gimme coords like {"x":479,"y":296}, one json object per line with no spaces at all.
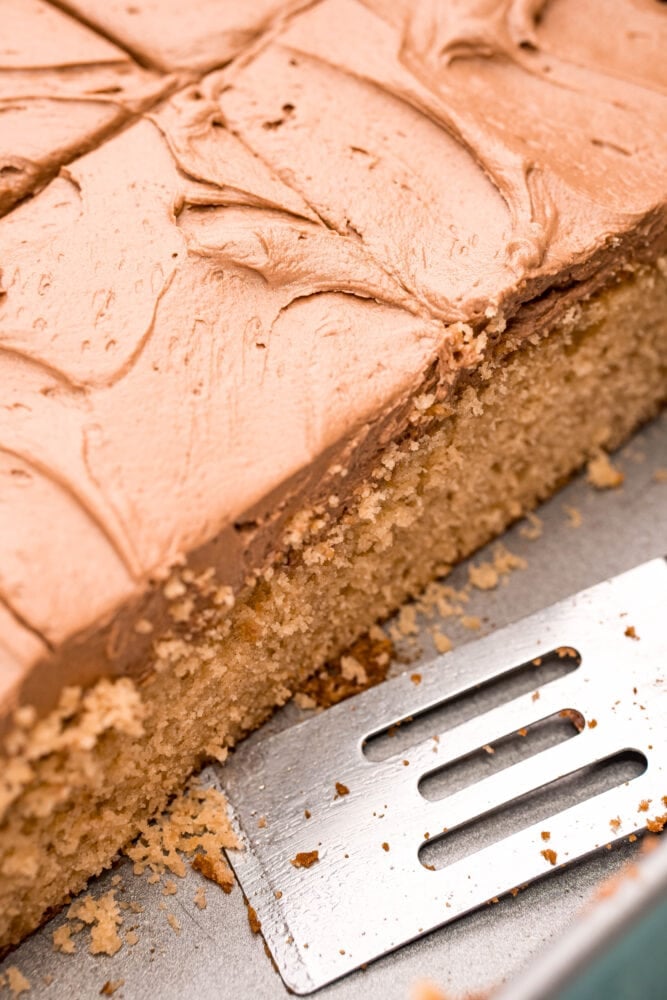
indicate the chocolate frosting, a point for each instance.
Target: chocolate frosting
{"x":62,"y":89}
{"x":224,"y":311}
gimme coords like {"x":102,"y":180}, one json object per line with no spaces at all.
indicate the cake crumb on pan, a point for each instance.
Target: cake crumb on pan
{"x":602,"y":473}
{"x":16,"y":981}
{"x":111,"y":986}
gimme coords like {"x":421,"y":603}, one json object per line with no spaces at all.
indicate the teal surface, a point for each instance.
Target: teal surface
{"x":634,"y":968}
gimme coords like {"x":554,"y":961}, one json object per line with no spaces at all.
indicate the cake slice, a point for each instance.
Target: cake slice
{"x":280,"y":352}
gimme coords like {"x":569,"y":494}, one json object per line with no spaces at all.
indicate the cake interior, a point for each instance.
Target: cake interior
{"x":77,"y":785}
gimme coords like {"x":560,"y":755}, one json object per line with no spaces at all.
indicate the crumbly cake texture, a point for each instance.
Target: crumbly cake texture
{"x":285,"y":348}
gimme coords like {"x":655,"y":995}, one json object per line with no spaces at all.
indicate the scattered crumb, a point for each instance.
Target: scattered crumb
{"x":545,"y":835}
{"x":657,"y":824}
{"x":337,"y":681}
{"x":16,"y":981}
{"x":643,"y":805}
{"x":307,"y":813}
{"x":472,"y":622}
{"x":104,"y":917}
{"x":602,"y":474}
{"x":632,"y":838}
{"x":522,"y":732}
{"x":173,"y":922}
{"x":535,"y":696}
{"x":111,"y":986}
{"x":574,"y":517}
{"x":305,"y":859}
{"x":62,"y":940}
{"x":195,"y":819}
{"x":216,"y":870}
{"x":533,"y":529}
{"x":341,"y":789}
{"x":615,"y":824}
{"x":549,"y":856}
{"x":488,"y":748}
{"x":442,"y":642}
{"x":505,"y":562}
{"x":131,"y":938}
{"x":253,"y":919}
{"x":385,"y":846}
{"x":484,"y":576}
{"x":660,"y":476}
{"x":200,"y":898}
{"x":416,"y":678}
{"x":261,"y":823}
{"x":169,"y":888}
{"x":592,"y":723}
{"x":631,"y":633}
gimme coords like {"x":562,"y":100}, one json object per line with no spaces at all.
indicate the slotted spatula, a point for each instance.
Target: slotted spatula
{"x":376,"y":821}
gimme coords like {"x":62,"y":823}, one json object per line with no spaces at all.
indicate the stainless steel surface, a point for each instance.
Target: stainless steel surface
{"x":369,"y":837}
{"x":593,"y":931}
{"x":216,"y":957}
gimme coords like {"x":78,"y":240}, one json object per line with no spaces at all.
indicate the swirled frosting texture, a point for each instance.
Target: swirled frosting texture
{"x":63,"y":88}
{"x":204,"y":318}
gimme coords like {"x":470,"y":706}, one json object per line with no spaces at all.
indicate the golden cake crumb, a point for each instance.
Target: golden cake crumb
{"x":631,"y":633}
{"x":104,"y":917}
{"x":484,"y":576}
{"x":200,"y":898}
{"x":169,"y":888}
{"x":471,"y":622}
{"x":602,"y":474}
{"x":131,"y":938}
{"x":215,"y":869}
{"x":657,"y":824}
{"x":111,"y":986}
{"x":660,"y":476}
{"x":442,"y":642}
{"x":62,"y":940}
{"x":533,"y":529}
{"x":305,"y":859}
{"x":16,"y":981}
{"x":253,"y":919}
{"x":341,"y":789}
{"x":574,"y":516}
{"x":174,"y":923}
{"x":196,"y":819}
{"x":550,"y":856}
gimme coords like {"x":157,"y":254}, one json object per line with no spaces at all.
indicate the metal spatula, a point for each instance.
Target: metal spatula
{"x":420,"y":800}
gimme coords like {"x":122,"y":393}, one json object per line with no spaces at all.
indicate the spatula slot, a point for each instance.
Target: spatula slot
{"x":517,"y":814}
{"x":411,"y":729}
{"x":502,"y":754}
